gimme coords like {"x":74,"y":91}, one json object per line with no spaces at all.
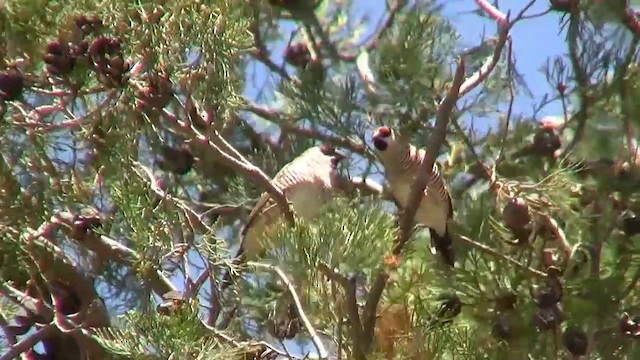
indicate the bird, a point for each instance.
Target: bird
{"x":309,"y":181}
{"x":401,"y":161}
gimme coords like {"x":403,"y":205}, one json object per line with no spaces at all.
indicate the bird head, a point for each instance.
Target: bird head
{"x":330,"y":151}
{"x":383,"y":138}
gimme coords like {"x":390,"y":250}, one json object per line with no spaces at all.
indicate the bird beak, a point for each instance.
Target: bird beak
{"x":378,"y":142}
{"x":339,"y":155}
{"x":376,"y":134}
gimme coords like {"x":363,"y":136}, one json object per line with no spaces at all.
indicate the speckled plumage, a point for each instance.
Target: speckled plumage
{"x":401,"y":161}
{"x":308,"y":182}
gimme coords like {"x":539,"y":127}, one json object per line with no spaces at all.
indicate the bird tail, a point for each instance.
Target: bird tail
{"x":443,"y":245}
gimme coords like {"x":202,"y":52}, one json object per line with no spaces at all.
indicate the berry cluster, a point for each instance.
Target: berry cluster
{"x":549,"y":313}
{"x":297,"y":55}
{"x":157,"y":92}
{"x":107,"y":61}
{"x":178,"y":161}
{"x":630,"y":327}
{"x":11,"y":84}
{"x":546,"y":141}
{"x":576,"y":341}
{"x":103,"y":54}
{"x":517,"y":218}
{"x":89,"y":24}
{"x":62,"y":56}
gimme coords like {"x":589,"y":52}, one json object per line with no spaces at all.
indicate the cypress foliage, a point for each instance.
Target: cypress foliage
{"x":137,"y":137}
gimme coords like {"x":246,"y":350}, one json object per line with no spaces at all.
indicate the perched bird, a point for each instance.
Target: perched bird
{"x":308,"y":182}
{"x":401,"y":161}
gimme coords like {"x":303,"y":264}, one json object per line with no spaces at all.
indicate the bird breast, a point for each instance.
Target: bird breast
{"x":307,"y":200}
{"x":432,"y":212}
{"x":401,"y":190}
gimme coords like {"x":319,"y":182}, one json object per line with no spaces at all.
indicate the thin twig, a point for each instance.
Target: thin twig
{"x":503,"y":141}
{"x":322,"y":352}
{"x":351,"y":307}
{"x":113,"y":250}
{"x":504,"y":25}
{"x":366,"y":75}
{"x":286,"y":123}
{"x":261,"y":53}
{"x":497,"y":254}
{"x":372,"y":42}
{"x":244,"y":345}
{"x":486,"y":69}
{"x":232,"y":158}
{"x":493,"y":12}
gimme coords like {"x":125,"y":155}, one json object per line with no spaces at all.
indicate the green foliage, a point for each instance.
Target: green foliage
{"x":138,"y":336}
{"x":76,"y":146}
{"x":337,"y":238}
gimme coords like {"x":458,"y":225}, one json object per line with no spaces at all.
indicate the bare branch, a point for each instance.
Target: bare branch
{"x":493,"y":12}
{"x":368,"y":186}
{"x":484,"y":71}
{"x":366,"y":75}
{"x":351,"y":306}
{"x":504,"y":25}
{"x":28,"y":342}
{"x":322,"y":352}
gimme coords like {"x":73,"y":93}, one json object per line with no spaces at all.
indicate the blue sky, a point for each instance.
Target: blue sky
{"x":534,"y":40}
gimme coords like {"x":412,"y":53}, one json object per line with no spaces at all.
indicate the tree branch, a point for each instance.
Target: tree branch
{"x":115,"y":251}
{"x":581,"y":78}
{"x":322,"y":352}
{"x":285,"y":123}
{"x":232,"y":158}
{"x":28,"y":342}
{"x":351,"y":305}
{"x":486,"y":249}
{"x":372,"y":42}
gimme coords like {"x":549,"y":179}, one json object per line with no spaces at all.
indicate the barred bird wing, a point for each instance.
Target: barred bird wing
{"x":307,"y":181}
{"x":437,"y":192}
{"x":401,"y":161}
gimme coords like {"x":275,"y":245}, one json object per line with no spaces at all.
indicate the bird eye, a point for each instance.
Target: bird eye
{"x":384,"y":131}
{"x":327,"y":149}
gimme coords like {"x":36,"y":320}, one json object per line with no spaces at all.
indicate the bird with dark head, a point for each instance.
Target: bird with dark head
{"x":401,"y":162}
